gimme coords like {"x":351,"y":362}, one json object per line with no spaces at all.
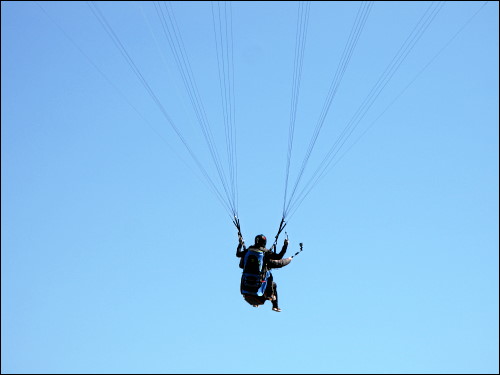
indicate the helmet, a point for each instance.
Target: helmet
{"x":261,"y":240}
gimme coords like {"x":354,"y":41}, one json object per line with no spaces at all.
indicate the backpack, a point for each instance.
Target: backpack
{"x":255,"y":275}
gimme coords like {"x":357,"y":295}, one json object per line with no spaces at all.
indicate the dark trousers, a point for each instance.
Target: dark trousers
{"x":272,"y":291}
{"x":275,"y":292}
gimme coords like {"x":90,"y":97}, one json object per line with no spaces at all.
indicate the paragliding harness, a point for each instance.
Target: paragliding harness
{"x":255,"y":277}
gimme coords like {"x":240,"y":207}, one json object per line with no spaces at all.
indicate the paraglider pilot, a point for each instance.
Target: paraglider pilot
{"x":270,"y":260}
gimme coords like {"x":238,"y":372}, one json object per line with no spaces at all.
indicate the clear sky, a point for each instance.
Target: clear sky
{"x":117,"y":257}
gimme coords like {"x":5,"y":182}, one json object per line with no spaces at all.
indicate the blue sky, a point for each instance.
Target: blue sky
{"x":118,"y":258}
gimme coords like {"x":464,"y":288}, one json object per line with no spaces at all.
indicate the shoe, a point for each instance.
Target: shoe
{"x":255,"y":305}
{"x":277,"y":309}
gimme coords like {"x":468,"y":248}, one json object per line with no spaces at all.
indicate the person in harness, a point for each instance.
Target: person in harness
{"x":257,"y":284}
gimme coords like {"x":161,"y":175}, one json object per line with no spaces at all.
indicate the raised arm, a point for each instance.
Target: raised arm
{"x":241,"y":244}
{"x":279,"y":255}
{"x":283,"y":249}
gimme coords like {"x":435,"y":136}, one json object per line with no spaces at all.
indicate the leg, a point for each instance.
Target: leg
{"x":275,"y":299}
{"x":269,"y":292}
